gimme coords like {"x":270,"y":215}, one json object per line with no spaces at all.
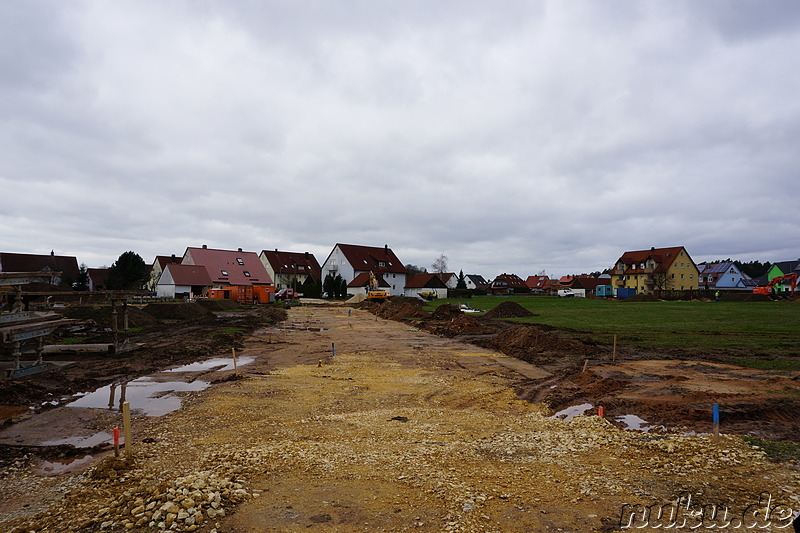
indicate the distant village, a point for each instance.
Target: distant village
{"x":352,"y":270}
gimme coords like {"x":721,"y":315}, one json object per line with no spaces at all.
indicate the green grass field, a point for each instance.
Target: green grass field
{"x":735,"y":330}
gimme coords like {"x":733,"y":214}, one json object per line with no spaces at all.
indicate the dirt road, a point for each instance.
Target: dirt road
{"x":399,"y":430}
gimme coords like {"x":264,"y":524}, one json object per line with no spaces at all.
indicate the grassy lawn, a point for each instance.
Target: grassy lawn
{"x":738,"y":329}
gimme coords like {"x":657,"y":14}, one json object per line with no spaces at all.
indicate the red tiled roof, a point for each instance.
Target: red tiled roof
{"x":362,"y":280}
{"x":538,"y":282}
{"x":293,"y":263}
{"x":189,"y":275}
{"x":369,"y":258}
{"x":68,"y":266}
{"x":590,"y":283}
{"x":511,"y":281}
{"x":97,"y":275}
{"x":164,"y":260}
{"x":663,"y":257}
{"x":425,"y":281}
{"x":229,"y":267}
{"x":444,"y":276}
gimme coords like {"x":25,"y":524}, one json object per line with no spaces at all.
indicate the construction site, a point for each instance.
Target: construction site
{"x":378,"y":417}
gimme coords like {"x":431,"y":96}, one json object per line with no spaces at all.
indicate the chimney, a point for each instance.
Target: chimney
{"x":205,"y":247}
{"x":386,"y":249}
{"x":306,"y":256}
{"x":240,"y":249}
{"x":52,"y":253}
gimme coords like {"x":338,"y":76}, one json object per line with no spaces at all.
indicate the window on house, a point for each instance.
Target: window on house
{"x":246,"y":273}
{"x":240,"y":260}
{"x":224,"y":272}
{"x":691,"y":276}
{"x":681,"y":276}
{"x":381,"y":264}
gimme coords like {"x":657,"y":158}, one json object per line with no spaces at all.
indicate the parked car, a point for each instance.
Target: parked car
{"x":286,"y":294}
{"x":566,"y":293}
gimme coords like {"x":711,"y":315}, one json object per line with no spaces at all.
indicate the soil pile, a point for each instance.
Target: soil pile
{"x":534,"y":345}
{"x":177,"y":311}
{"x":401,"y":309}
{"x":101,"y":315}
{"x":508,"y":310}
{"x":446,"y":312}
{"x":460,"y":325}
{"x":218,"y":305}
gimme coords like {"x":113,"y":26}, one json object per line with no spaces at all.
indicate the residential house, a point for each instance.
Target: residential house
{"x":157,"y":268}
{"x":655,"y":269}
{"x":450,"y":279}
{"x":475,"y":281}
{"x":228,"y":267}
{"x":183,"y":281}
{"x":289,"y":269}
{"x":589,"y":284}
{"x":782,"y":268}
{"x":426,"y":284}
{"x":361,"y":284}
{"x":66,"y":265}
{"x":350,"y":260}
{"x":96,"y":278}
{"x":725,"y":275}
{"x":508,"y":284}
{"x":540,"y":283}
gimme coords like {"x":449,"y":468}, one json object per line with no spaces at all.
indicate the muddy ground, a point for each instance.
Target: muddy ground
{"x":399,"y":430}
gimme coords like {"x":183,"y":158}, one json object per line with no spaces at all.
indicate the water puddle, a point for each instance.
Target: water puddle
{"x":635,"y":423}
{"x":83,"y":442}
{"x":148,"y":397}
{"x":224,"y":363}
{"x":571,"y":412}
{"x":55,"y":467}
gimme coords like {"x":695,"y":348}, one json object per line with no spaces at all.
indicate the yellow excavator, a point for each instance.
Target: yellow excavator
{"x":374,"y":292}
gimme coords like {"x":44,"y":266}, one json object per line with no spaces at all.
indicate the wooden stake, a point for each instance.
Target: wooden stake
{"x":614,"y":354}
{"x":116,"y":442}
{"x":126,"y":429}
{"x":585,"y":364}
{"x":235,"y":369}
{"x":715,"y":417}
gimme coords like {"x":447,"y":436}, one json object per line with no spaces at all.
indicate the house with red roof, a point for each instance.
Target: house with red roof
{"x":540,"y":283}
{"x":66,"y":265}
{"x":157,"y":268}
{"x":183,"y":281}
{"x":288,"y":269}
{"x":655,"y":269}
{"x":508,"y":284}
{"x":450,"y":279}
{"x":235,"y":274}
{"x":96,"y":278}
{"x":350,"y":260}
{"x":425,"y":284}
{"x":360,"y":285}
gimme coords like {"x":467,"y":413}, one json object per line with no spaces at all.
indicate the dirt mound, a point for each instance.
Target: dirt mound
{"x":508,"y":310}
{"x":534,"y":345}
{"x":177,"y":311}
{"x":218,"y":305}
{"x":460,"y":325}
{"x":446,"y":312}
{"x":401,"y":309}
{"x":101,"y":315}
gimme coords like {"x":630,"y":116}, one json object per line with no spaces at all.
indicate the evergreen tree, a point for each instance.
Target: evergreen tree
{"x":329,"y":285}
{"x":462,"y":282}
{"x":82,"y":284}
{"x":129,"y":272}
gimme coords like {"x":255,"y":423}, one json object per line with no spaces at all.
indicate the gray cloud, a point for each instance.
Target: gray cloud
{"x":514,"y":138}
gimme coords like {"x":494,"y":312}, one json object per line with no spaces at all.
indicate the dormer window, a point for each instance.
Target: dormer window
{"x":381,"y":264}
{"x":240,"y":260}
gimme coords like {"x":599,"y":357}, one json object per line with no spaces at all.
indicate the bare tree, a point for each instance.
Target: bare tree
{"x":439,"y":265}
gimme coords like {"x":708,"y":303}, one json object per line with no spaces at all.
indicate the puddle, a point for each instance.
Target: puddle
{"x":53,"y":468}
{"x":635,"y":423}
{"x":222,"y":362}
{"x":145,"y":396}
{"x":571,"y":412}
{"x":83,"y":442}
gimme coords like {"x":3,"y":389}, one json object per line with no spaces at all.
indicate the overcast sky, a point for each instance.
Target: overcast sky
{"x":510,"y":136}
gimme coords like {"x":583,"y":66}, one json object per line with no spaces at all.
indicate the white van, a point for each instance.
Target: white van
{"x":565,"y":293}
